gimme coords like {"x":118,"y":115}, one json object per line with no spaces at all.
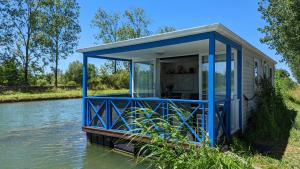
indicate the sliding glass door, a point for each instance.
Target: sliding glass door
{"x":143,"y":79}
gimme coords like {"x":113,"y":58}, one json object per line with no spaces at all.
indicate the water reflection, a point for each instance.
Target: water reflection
{"x":47,"y":134}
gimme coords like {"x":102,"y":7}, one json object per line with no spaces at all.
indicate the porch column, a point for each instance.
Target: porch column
{"x":211,"y":89}
{"x":130,"y":78}
{"x":84,"y":89}
{"x":239,"y":86}
{"x":228,"y":91}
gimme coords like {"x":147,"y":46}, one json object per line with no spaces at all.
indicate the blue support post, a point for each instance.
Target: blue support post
{"x":228,"y":90}
{"x":130,"y":79}
{"x":211,"y":89}
{"x":239,"y":85}
{"x":108,"y":115}
{"x":84,"y":90}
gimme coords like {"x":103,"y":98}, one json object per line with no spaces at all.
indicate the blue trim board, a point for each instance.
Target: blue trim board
{"x":211,"y":89}
{"x":148,"y":45}
{"x":104,"y":57}
{"x":227,"y":41}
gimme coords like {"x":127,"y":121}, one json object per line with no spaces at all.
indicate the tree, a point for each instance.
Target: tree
{"x":6,"y":35}
{"x":23,"y":16}
{"x":74,"y":73}
{"x":166,"y":29}
{"x":61,"y":30}
{"x":137,"y":23}
{"x":282,"y":30}
{"x":10,"y":72}
{"x":113,"y":27}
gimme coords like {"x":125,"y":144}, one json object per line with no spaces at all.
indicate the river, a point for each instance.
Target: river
{"x":47,"y":134}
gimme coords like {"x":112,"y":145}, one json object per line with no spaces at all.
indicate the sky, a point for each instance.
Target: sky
{"x":240,"y":16}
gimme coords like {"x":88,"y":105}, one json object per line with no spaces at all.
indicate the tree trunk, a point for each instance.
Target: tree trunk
{"x":115,"y":66}
{"x":26,"y":64}
{"x":56,"y":62}
{"x":26,"y":70}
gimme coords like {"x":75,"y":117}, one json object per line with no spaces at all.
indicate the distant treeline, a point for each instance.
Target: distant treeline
{"x":102,"y":77}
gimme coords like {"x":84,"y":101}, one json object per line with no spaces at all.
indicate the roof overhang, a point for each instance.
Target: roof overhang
{"x":170,"y":39}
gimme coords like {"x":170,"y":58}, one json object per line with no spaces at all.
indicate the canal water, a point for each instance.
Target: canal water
{"x":47,"y":134}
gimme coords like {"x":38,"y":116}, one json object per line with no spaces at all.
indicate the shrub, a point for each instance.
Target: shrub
{"x":283,"y":82}
{"x":271,"y":120}
{"x":71,"y":83}
{"x":41,"y":82}
{"x":170,"y":149}
{"x":118,"y":80}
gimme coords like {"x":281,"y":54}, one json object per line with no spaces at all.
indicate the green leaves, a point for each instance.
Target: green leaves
{"x":113,"y":27}
{"x":171,"y":151}
{"x":282,"y":30}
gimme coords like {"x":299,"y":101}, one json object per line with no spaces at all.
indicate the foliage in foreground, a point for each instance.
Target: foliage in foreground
{"x":169,"y":149}
{"x":266,"y":123}
{"x":281,"y":150}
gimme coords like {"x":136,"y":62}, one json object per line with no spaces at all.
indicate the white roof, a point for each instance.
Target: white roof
{"x":180,"y":33}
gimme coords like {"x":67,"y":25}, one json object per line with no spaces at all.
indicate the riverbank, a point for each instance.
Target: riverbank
{"x":12,"y":96}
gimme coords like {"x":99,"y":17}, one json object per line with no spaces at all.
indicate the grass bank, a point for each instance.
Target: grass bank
{"x":12,"y":96}
{"x":289,"y":150}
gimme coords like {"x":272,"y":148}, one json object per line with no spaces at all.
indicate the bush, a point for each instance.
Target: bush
{"x":118,"y":80}
{"x":170,"y":149}
{"x":41,"y":82}
{"x":283,"y":82}
{"x":71,"y":83}
{"x":271,"y":120}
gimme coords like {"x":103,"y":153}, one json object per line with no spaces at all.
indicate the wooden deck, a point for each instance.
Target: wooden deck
{"x":114,"y":133}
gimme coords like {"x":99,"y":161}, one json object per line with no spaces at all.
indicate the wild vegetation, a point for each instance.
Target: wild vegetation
{"x":56,"y":93}
{"x":272,"y":137}
{"x":270,"y":141}
{"x":168,"y":146}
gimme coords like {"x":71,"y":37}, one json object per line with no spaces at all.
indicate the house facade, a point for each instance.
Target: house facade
{"x":208,"y":71}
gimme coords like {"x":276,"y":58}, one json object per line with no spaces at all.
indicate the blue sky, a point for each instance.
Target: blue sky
{"x":241,"y":17}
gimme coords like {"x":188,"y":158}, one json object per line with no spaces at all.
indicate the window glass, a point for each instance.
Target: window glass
{"x":143,"y":79}
{"x":265,"y":69}
{"x":220,"y":76}
{"x":256,"y":72}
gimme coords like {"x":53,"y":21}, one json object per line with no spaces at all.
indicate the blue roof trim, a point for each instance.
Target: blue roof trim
{"x":148,"y":45}
{"x":227,"y":41}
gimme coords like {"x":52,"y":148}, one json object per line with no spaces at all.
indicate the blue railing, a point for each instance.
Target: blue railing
{"x":118,"y":113}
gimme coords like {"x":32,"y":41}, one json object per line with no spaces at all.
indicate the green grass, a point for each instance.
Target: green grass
{"x":11,"y":96}
{"x":291,"y":154}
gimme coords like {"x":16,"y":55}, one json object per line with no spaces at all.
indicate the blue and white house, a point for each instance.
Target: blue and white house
{"x":208,"y":71}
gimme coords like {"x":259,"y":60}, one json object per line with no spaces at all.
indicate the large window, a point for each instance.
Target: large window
{"x":144,"y":79}
{"x":220,"y":76}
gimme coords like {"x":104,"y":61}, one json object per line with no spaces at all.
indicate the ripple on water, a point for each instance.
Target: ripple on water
{"x":48,"y":135}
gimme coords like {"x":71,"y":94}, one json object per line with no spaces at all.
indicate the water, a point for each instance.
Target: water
{"x":47,"y":134}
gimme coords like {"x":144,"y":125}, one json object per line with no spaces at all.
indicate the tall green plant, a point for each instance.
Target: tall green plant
{"x":169,"y":147}
{"x":271,"y":120}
